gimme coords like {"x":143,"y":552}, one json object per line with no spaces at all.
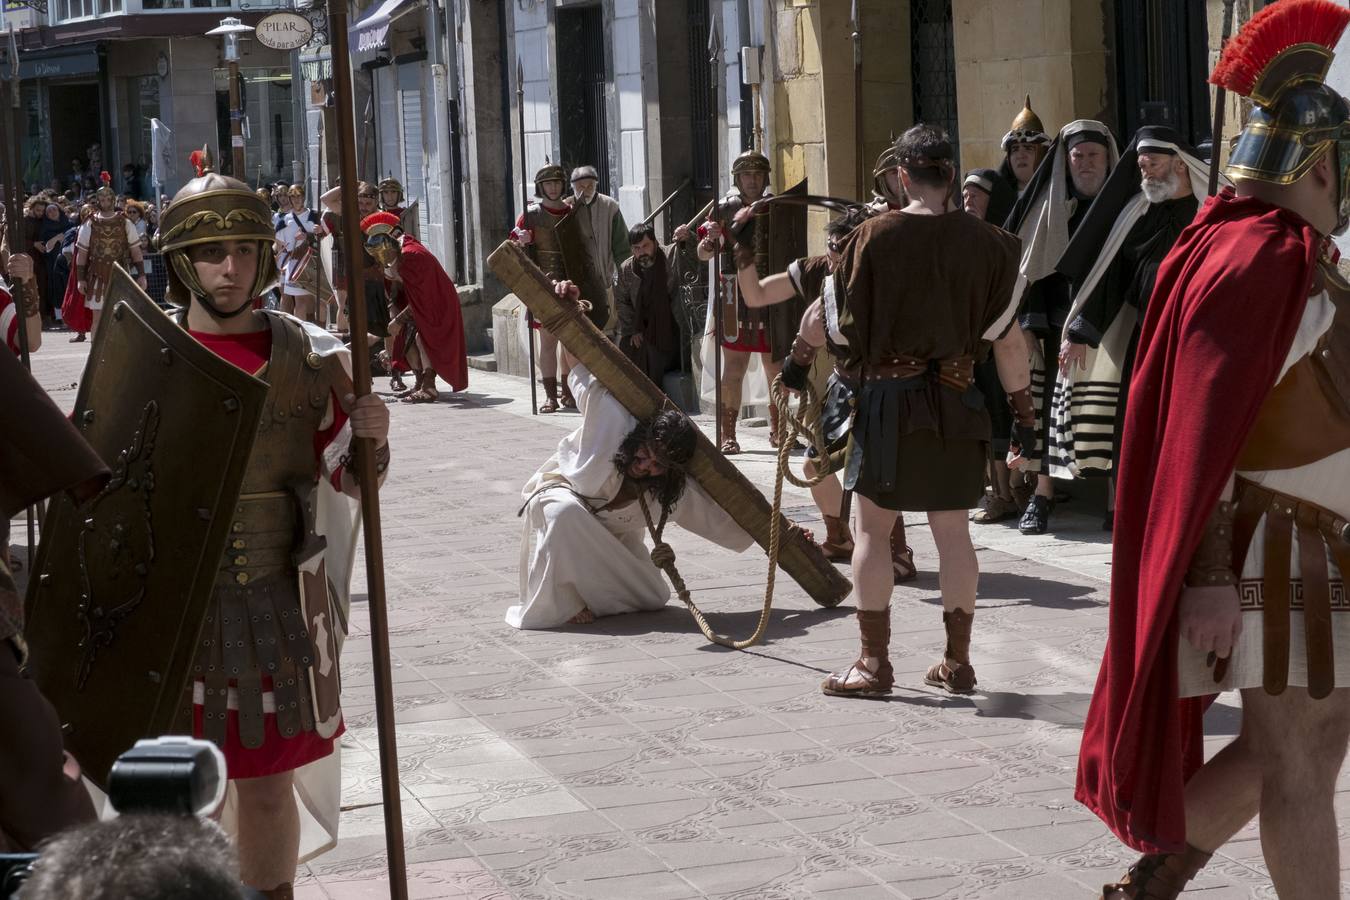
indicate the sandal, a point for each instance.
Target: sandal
{"x":902,"y":564}
{"x":550,"y":404}
{"x":423,"y":395}
{"x":952,"y":676}
{"x":858,"y":681}
{"x":996,"y":509}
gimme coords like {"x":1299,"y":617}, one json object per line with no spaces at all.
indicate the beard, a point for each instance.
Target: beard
{"x":643,"y":263}
{"x":1156,"y":190}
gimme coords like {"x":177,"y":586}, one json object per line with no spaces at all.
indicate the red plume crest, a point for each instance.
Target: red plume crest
{"x":105,"y":179}
{"x":1272,"y":31}
{"x":198,"y":160}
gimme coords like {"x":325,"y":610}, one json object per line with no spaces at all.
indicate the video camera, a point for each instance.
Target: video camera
{"x":172,"y":774}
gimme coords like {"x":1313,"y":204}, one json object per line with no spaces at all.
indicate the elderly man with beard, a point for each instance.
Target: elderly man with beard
{"x":601,"y":222}
{"x":1113,"y":260}
{"x":644,"y":297}
{"x":583,"y":551}
{"x":1045,"y":217}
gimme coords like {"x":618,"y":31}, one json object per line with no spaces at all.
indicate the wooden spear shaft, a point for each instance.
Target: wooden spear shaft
{"x":524,"y":214}
{"x":9,"y":162}
{"x":365,"y":467}
{"x":1220,"y":96}
{"x":715,"y":278}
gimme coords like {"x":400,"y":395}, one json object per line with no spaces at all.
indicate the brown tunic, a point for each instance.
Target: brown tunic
{"x":926,"y":289}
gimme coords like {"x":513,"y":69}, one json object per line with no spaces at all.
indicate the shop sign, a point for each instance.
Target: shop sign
{"x":285,"y":31}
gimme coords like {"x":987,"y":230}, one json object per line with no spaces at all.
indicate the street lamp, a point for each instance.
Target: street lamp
{"x":230,"y":29}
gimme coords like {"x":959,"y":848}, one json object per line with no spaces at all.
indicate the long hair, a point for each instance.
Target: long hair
{"x":673,"y":439}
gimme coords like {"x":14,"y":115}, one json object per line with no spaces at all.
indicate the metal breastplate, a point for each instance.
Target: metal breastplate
{"x":108,"y":239}
{"x":547,"y":248}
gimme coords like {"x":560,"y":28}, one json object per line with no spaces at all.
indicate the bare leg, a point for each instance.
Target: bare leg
{"x":548,"y":354}
{"x":829,"y":494}
{"x":1045,"y":486}
{"x":873,"y":577}
{"x":93,"y":326}
{"x":734,"y":364}
{"x":269,"y":830}
{"x":958,"y":568}
{"x":340,"y":310}
{"x":1002,"y":483}
{"x":1300,"y":744}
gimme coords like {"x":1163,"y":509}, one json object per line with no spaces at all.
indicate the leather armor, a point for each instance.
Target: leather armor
{"x":261,"y":621}
{"x":108,"y":239}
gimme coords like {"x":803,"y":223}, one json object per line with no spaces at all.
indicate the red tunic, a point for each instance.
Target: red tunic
{"x":1225,"y":308}
{"x":750,"y":339}
{"x":78,"y":317}
{"x":251,"y":352}
{"x":435,"y":309}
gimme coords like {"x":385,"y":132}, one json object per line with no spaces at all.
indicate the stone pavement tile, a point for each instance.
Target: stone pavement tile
{"x":560,"y":826}
{"x":450,"y":880}
{"x":737,"y":877}
{"x":605,"y":865}
{"x":657,"y":886}
{"x":654,"y":814}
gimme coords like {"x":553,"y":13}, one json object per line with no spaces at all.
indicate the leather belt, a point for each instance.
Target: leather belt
{"x":1285,"y":516}
{"x":957,"y":373}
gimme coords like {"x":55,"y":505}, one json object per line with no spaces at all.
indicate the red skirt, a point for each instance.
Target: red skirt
{"x":74,"y":313}
{"x":277,"y":753}
{"x":753,"y":340}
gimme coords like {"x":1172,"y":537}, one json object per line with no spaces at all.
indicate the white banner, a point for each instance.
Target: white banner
{"x":161,"y":153}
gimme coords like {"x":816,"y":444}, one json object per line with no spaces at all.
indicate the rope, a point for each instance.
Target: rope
{"x":663,"y":555}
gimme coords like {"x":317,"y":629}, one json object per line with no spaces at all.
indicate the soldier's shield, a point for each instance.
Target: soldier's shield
{"x":122,"y":582}
{"x":583,"y":269}
{"x":409,"y":220}
{"x":780,"y":237}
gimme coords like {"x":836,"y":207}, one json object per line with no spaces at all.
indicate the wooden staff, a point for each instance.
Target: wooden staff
{"x":856,"y":21}
{"x":524,"y":210}
{"x":9,"y":163}
{"x":365,"y":467}
{"x":714,"y":62}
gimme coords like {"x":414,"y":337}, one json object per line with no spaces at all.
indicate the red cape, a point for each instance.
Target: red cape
{"x":435,"y":309}
{"x":76,"y":316}
{"x":1223,"y":314}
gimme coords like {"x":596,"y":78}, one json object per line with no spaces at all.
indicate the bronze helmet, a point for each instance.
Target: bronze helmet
{"x":213,"y":207}
{"x":549,"y":172}
{"x":390,"y":183}
{"x":749,"y":161}
{"x":1026,"y":129}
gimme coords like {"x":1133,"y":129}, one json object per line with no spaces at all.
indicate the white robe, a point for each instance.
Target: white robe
{"x":572,"y":558}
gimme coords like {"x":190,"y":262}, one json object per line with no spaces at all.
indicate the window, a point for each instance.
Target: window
{"x":269,"y":142}
{"x":67,"y":10}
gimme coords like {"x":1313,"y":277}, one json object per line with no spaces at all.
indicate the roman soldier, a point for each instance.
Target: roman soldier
{"x":434,"y":336}
{"x":1112,"y":261}
{"x":106,"y":239}
{"x":537,"y":230}
{"x":393,"y":201}
{"x":1045,"y":216}
{"x":746,"y":332}
{"x":1231,"y":545}
{"x":1024,"y":147}
{"x":266,"y":686}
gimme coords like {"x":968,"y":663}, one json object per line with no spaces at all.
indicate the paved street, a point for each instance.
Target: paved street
{"x":631,"y":759}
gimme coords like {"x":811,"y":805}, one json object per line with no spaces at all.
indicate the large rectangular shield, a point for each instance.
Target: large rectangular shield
{"x":798,"y":556}
{"x":123,"y":581}
{"x":780,"y":237}
{"x":410,"y":219}
{"x":583,"y":269}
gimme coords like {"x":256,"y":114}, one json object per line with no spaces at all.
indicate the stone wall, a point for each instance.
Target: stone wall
{"x":1056,"y":50}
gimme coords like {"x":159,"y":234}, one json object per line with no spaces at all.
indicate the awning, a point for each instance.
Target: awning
{"x":371,"y":31}
{"x":58,"y":62}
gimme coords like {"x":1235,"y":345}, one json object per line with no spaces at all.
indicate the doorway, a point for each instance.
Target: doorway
{"x":583,"y":129}
{"x":1163,"y":63}
{"x":71,"y":105}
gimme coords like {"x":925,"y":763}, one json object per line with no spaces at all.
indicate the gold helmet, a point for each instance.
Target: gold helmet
{"x":105,"y":188}
{"x":1026,"y":129}
{"x":209,"y":208}
{"x":295,"y":190}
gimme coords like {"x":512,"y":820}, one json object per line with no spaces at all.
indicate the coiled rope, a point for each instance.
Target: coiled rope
{"x":663,"y":555}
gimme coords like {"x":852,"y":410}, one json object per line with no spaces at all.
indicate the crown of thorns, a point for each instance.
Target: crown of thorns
{"x":926,"y":162}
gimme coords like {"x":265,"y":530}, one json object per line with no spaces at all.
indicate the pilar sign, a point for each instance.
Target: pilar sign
{"x":285,"y":31}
